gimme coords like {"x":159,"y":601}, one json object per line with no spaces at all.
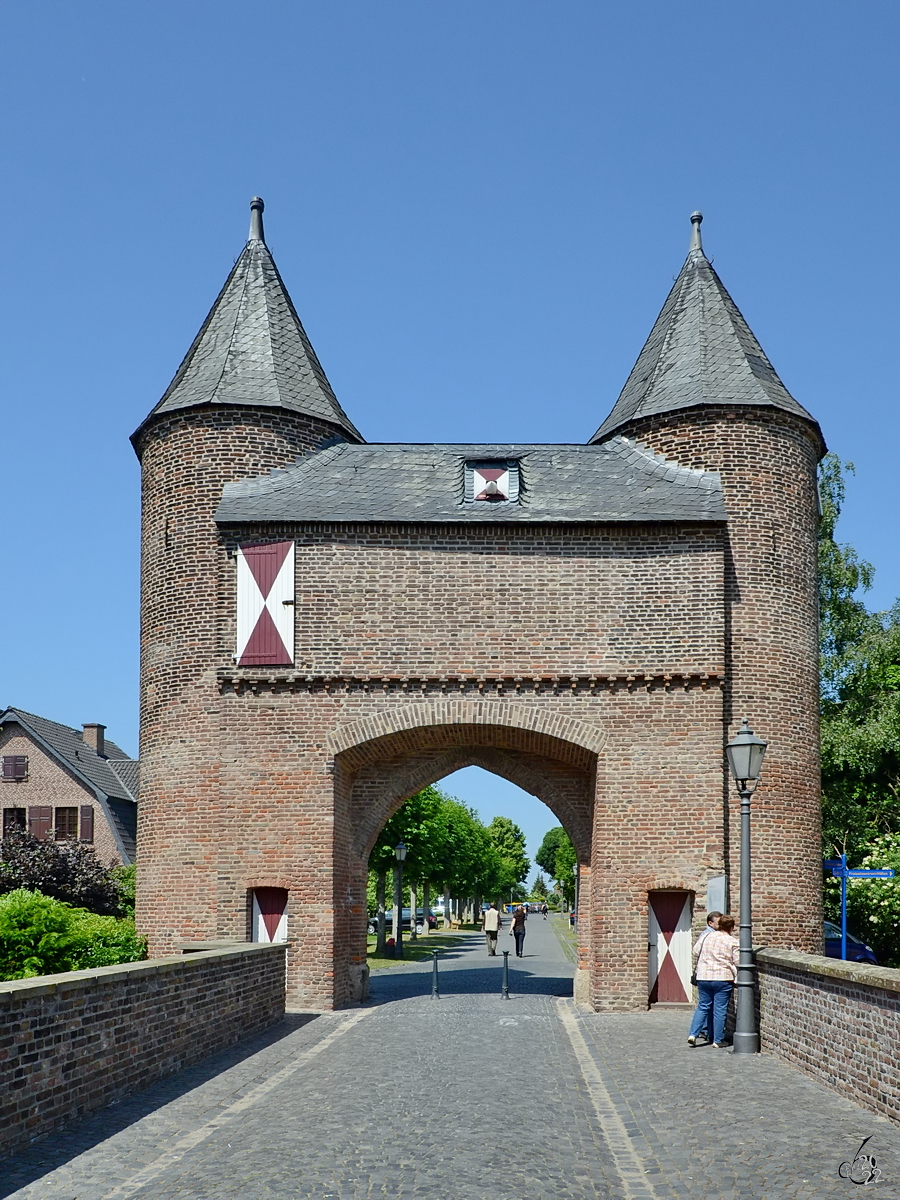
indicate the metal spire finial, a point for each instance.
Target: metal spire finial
{"x":696,"y":239}
{"x":256,"y":221}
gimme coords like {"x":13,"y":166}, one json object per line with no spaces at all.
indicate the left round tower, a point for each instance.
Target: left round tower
{"x":249,"y":397}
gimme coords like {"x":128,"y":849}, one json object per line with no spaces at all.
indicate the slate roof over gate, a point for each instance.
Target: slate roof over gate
{"x":616,"y":481}
{"x":700,"y":351}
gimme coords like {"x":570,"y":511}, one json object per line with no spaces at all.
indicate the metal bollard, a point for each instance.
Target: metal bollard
{"x":435,"y":993}
{"x":505,"y":992}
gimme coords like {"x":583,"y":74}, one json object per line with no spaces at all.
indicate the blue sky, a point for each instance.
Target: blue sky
{"x":478,"y":209}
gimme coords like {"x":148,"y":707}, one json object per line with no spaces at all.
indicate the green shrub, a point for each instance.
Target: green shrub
{"x":125,"y":879}
{"x":104,"y":941}
{"x":873,"y":905}
{"x":35,"y":935}
{"x":43,"y":936}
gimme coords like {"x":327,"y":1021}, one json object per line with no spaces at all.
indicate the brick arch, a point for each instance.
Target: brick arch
{"x":415,"y":716}
{"x":379,"y":789}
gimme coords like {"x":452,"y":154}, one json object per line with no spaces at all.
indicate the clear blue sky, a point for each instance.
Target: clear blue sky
{"x":478,"y":209}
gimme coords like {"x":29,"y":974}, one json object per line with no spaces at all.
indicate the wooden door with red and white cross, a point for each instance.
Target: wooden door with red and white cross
{"x":669,"y":943}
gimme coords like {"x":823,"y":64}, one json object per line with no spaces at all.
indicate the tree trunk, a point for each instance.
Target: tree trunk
{"x":426,"y":905}
{"x":413,"y":897}
{"x":380,"y":887}
{"x":446,"y":908}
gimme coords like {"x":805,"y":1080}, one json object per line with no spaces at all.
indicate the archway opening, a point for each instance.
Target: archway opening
{"x":471,"y":841}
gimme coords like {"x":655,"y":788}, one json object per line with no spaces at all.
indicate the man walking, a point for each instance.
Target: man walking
{"x":492,"y":923}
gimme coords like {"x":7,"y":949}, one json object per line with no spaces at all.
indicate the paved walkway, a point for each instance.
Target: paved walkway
{"x":469,"y":1098}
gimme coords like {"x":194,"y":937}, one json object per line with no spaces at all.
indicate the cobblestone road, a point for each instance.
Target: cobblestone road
{"x":468,"y":1098}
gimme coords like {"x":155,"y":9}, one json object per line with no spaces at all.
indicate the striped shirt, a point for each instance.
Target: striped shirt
{"x":716,"y":955}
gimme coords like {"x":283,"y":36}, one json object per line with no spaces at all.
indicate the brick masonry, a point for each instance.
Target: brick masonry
{"x":422,"y":649}
{"x":71,"y":1044}
{"x":50,"y":783}
{"x":838,"y":1022}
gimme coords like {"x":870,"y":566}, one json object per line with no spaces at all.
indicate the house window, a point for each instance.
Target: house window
{"x":15,"y":766}
{"x":14,"y":818}
{"x":492,"y":482}
{"x":65,"y":824}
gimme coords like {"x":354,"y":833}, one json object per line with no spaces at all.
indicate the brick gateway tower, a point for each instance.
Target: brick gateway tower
{"x":328,"y":625}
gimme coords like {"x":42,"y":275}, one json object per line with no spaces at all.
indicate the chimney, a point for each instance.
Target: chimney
{"x":93,"y":736}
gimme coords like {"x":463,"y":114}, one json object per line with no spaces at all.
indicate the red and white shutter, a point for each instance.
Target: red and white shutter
{"x":270,"y":914}
{"x":265,"y":605}
{"x":670,"y":947}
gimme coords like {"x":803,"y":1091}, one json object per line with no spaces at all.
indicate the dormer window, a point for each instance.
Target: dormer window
{"x":492,"y":482}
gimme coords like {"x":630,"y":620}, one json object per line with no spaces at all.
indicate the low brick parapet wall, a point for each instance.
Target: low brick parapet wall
{"x":838,"y":1022}
{"x":73,"y":1043}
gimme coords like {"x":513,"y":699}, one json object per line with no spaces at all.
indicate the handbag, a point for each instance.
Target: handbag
{"x":694,"y":979}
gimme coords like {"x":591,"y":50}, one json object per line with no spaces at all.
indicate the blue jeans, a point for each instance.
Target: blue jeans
{"x":714,"y":995}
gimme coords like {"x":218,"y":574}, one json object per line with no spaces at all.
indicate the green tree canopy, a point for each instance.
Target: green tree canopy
{"x":508,"y":841}
{"x":556,"y":855}
{"x":546,"y":855}
{"x":860,"y":689}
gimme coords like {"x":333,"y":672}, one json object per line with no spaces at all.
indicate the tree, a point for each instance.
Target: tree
{"x":508,"y":841}
{"x":68,"y":871}
{"x":556,"y":855}
{"x":546,"y":855}
{"x":860,"y":690}
{"x":539,"y":888}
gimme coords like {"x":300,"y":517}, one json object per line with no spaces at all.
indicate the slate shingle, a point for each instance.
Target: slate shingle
{"x":700,"y":351}
{"x":615,"y":481}
{"x":252,"y":349}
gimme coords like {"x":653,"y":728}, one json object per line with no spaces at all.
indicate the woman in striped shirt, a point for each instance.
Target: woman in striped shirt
{"x":716,"y":962}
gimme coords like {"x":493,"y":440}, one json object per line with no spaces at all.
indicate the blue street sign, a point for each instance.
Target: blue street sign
{"x":839,"y":868}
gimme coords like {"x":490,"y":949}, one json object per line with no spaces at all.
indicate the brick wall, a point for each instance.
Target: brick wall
{"x":446,"y":645}
{"x":838,"y":1022}
{"x":73,"y":1043}
{"x":767,"y":460}
{"x":50,"y":783}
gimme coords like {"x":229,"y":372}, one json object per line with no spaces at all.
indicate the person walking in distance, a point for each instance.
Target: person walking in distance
{"x":518,"y":929}
{"x":712,"y":924}
{"x":491,"y":923}
{"x":716,"y":958}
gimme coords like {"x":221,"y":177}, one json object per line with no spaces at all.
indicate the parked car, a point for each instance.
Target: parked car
{"x":857,"y":951}
{"x":405,"y":915}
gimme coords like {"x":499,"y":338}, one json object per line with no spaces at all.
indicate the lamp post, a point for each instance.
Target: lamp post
{"x":400,"y":852}
{"x":745,"y":757}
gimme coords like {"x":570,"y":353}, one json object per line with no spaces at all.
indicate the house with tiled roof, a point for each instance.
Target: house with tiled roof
{"x":64,"y":783}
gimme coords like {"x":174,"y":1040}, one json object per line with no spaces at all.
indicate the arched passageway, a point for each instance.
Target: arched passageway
{"x":373,"y":778}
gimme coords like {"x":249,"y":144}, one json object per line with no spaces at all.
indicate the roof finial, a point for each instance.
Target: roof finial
{"x":256,"y":221}
{"x":696,"y":239}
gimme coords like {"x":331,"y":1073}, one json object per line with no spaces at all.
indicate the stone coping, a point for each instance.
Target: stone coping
{"x":859,"y":974}
{"x":41,"y":985}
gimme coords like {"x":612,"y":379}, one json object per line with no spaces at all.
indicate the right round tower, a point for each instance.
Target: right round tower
{"x":703,"y":394}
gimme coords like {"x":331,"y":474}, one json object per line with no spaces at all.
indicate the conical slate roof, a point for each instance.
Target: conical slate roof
{"x":700,"y":351}
{"x":252,"y":348}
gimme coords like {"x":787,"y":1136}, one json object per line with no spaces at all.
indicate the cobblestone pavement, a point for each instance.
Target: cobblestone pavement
{"x":472,"y":1097}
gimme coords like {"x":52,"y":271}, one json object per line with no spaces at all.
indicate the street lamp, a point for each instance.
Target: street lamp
{"x":400,"y":852}
{"x":745,"y":757}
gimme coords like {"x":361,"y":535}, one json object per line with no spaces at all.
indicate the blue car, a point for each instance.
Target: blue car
{"x":857,"y":951}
